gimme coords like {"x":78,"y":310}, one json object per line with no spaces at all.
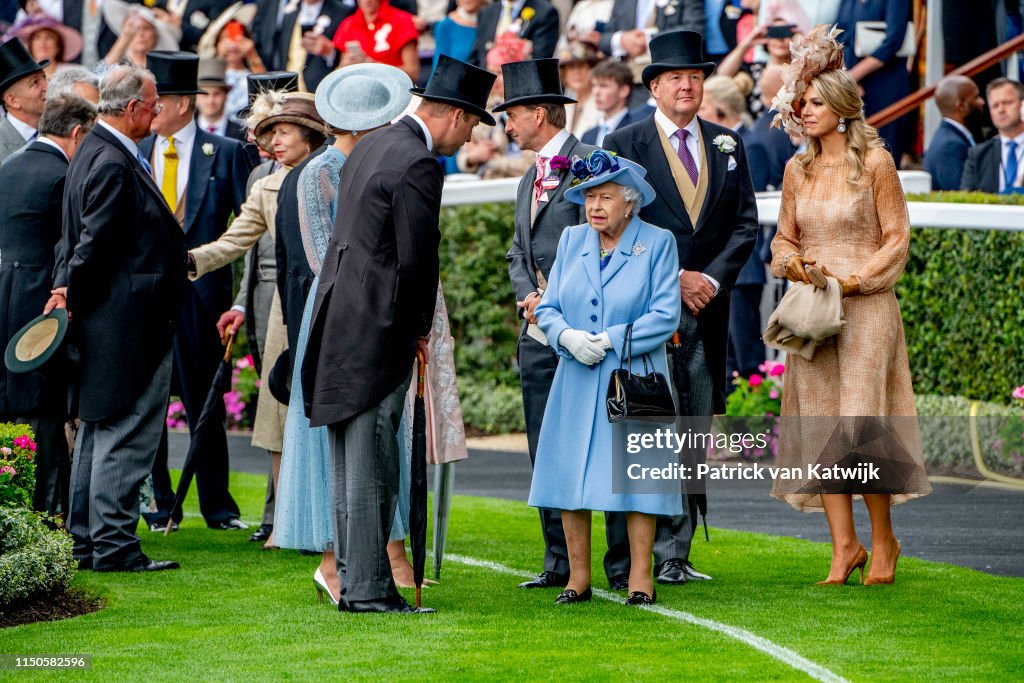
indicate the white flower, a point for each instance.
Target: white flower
{"x":208,"y":149}
{"x":638,"y":249}
{"x":725,"y":144}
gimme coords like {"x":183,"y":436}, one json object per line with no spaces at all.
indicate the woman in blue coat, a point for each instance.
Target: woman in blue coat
{"x":610,"y":272}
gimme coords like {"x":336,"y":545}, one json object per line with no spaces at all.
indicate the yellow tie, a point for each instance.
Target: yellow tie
{"x":169,"y":185}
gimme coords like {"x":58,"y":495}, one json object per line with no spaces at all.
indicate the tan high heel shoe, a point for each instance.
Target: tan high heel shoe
{"x":858,"y":563}
{"x":891,"y":578}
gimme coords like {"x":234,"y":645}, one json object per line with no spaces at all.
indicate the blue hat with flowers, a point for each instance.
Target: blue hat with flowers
{"x":600,"y":167}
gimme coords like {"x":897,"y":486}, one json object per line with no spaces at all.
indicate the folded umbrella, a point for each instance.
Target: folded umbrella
{"x":418,"y":484}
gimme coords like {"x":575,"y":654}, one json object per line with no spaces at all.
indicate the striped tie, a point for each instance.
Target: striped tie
{"x":684,"y":155}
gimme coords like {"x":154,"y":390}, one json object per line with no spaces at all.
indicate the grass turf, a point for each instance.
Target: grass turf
{"x":234,"y":612}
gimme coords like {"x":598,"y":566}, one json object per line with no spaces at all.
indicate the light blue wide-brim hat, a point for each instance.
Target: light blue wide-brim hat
{"x":623,"y":172}
{"x":361,"y":97}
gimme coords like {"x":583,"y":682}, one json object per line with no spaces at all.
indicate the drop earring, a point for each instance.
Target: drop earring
{"x":842,"y":125}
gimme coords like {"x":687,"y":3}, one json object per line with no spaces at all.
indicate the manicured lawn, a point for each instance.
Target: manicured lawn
{"x":234,"y":612}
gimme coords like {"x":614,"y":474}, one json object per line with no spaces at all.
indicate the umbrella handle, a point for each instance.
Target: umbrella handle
{"x":229,"y":342}
{"x":420,"y":373}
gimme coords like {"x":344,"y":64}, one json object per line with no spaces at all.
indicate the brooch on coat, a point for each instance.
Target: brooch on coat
{"x":725,"y":144}
{"x":208,"y":149}
{"x":638,"y":249}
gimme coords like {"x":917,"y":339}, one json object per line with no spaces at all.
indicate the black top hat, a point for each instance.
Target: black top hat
{"x":673,"y":50}
{"x":176,"y":72}
{"x":536,"y":81}
{"x":460,"y":84}
{"x":16,"y":63}
{"x":257,"y":84}
{"x":35,"y":343}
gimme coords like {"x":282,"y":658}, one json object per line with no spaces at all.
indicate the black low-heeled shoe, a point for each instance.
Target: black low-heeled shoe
{"x":569,"y":596}
{"x":641,"y":598}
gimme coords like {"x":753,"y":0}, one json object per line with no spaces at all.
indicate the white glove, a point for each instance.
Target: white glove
{"x":579,"y":345}
{"x":603,"y":341}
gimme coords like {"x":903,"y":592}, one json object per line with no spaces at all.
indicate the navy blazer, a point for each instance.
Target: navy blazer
{"x":982,"y":168}
{"x":216,"y":190}
{"x":768,"y":151}
{"x":946,"y":155}
{"x":590,"y":136}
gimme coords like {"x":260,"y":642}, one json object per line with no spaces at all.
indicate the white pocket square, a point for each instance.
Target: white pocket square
{"x":732,"y":163}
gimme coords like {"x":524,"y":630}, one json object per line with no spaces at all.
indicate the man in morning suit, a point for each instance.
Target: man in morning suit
{"x":632,"y":22}
{"x":535,"y":120}
{"x":22,"y":94}
{"x":957,"y":98}
{"x":296,"y":36}
{"x":31,"y":198}
{"x":202,"y":179}
{"x":123,"y":255}
{"x":373,"y":310}
{"x":611,"y":87}
{"x":533,"y":20}
{"x":705,"y":198}
{"x":997,"y":165}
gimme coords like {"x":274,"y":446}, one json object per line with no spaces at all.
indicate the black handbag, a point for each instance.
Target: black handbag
{"x":634,"y":396}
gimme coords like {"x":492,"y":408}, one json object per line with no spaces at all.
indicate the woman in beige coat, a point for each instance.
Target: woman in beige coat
{"x":288,"y":127}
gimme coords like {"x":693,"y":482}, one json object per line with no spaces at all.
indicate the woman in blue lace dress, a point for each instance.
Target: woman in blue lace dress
{"x":353,"y":101}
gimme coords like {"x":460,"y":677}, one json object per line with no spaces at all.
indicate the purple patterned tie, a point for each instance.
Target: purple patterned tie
{"x":684,"y":155}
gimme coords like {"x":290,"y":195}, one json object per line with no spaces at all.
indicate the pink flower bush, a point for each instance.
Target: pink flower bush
{"x":7,"y":469}
{"x":25,"y":441}
{"x":17,"y":465}
{"x":756,"y":380}
{"x":1018,"y":393}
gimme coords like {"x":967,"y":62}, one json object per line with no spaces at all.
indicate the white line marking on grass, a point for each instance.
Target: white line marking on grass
{"x":783,"y":654}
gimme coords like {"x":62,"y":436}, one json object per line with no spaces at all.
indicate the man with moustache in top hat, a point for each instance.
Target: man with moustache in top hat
{"x":535,"y":114}
{"x":373,"y":310}
{"x":202,"y":179}
{"x":706,"y":198}
{"x":22,"y":94}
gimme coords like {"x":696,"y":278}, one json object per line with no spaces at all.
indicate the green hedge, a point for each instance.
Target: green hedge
{"x":963,"y":307}
{"x":35,"y":560}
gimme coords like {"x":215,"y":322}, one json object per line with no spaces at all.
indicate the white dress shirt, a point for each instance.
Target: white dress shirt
{"x":24,"y":130}
{"x":126,"y":141}
{"x":184,"y":140}
{"x":214,"y":127}
{"x":609,"y":125}
{"x":47,"y":141}
{"x":670,"y":128}
{"x":308,"y":14}
{"x":1004,"y":154}
{"x":426,"y":131}
{"x":960,"y":127}
{"x":551,"y":149}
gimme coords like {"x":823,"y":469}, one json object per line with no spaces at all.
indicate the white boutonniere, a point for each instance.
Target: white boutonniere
{"x":638,"y":249}
{"x":208,"y":149}
{"x":725,"y":144}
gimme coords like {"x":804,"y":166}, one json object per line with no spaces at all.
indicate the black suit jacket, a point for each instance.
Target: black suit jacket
{"x":216,"y":190}
{"x":688,"y":16}
{"x":274,"y":42}
{"x":590,"y":136}
{"x":538,"y":243}
{"x":945,"y":157}
{"x":378,"y":283}
{"x":726,"y":228}
{"x":542,"y":29}
{"x":31,"y":193}
{"x":73,"y":19}
{"x":197,"y":17}
{"x":983,"y":166}
{"x":294,"y":276}
{"x":124,"y":266}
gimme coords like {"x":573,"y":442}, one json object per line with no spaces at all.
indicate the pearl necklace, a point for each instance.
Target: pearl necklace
{"x":607,"y":250}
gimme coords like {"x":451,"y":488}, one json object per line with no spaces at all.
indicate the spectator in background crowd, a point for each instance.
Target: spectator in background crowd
{"x":193,"y":19}
{"x":378,"y":32}
{"x":75,"y":80}
{"x":879,"y":71}
{"x":23,"y":94}
{"x":957,"y":98}
{"x":455,"y":34}
{"x":229,"y":39}
{"x":576,"y":67}
{"x":49,"y":40}
{"x":775,"y":37}
{"x":634,"y":22}
{"x":139,"y":32}
{"x":79,"y":15}
{"x":31,"y":201}
{"x":996,"y":165}
{"x":768,"y":148}
{"x":211,"y":113}
{"x":611,"y":85}
{"x":304,"y":40}
{"x":533,"y":20}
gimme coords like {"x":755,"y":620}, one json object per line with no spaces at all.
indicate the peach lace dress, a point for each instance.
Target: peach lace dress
{"x":862,"y":372}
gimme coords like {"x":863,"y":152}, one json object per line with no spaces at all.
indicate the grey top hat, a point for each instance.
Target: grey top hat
{"x":361,"y":97}
{"x":212,"y":74}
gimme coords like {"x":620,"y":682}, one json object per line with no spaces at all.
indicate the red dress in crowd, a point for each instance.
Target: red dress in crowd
{"x":382,"y":40}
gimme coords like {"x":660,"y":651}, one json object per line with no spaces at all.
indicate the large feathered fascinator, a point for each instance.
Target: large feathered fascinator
{"x":266,"y":104}
{"x":812,"y":54}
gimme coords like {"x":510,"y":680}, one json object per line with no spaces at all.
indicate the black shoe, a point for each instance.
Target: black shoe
{"x":229,"y":524}
{"x":694,"y":575}
{"x":546,"y":580}
{"x":569,"y":596}
{"x":262,"y":534}
{"x":395,"y":604}
{"x":619,"y":582}
{"x":142,"y":564}
{"x":159,"y":527}
{"x":671,"y":572}
{"x":641,"y":598}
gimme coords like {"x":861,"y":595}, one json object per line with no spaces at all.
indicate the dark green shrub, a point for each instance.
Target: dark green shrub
{"x":35,"y":559}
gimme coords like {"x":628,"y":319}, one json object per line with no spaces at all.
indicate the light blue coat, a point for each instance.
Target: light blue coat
{"x":640,"y":285}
